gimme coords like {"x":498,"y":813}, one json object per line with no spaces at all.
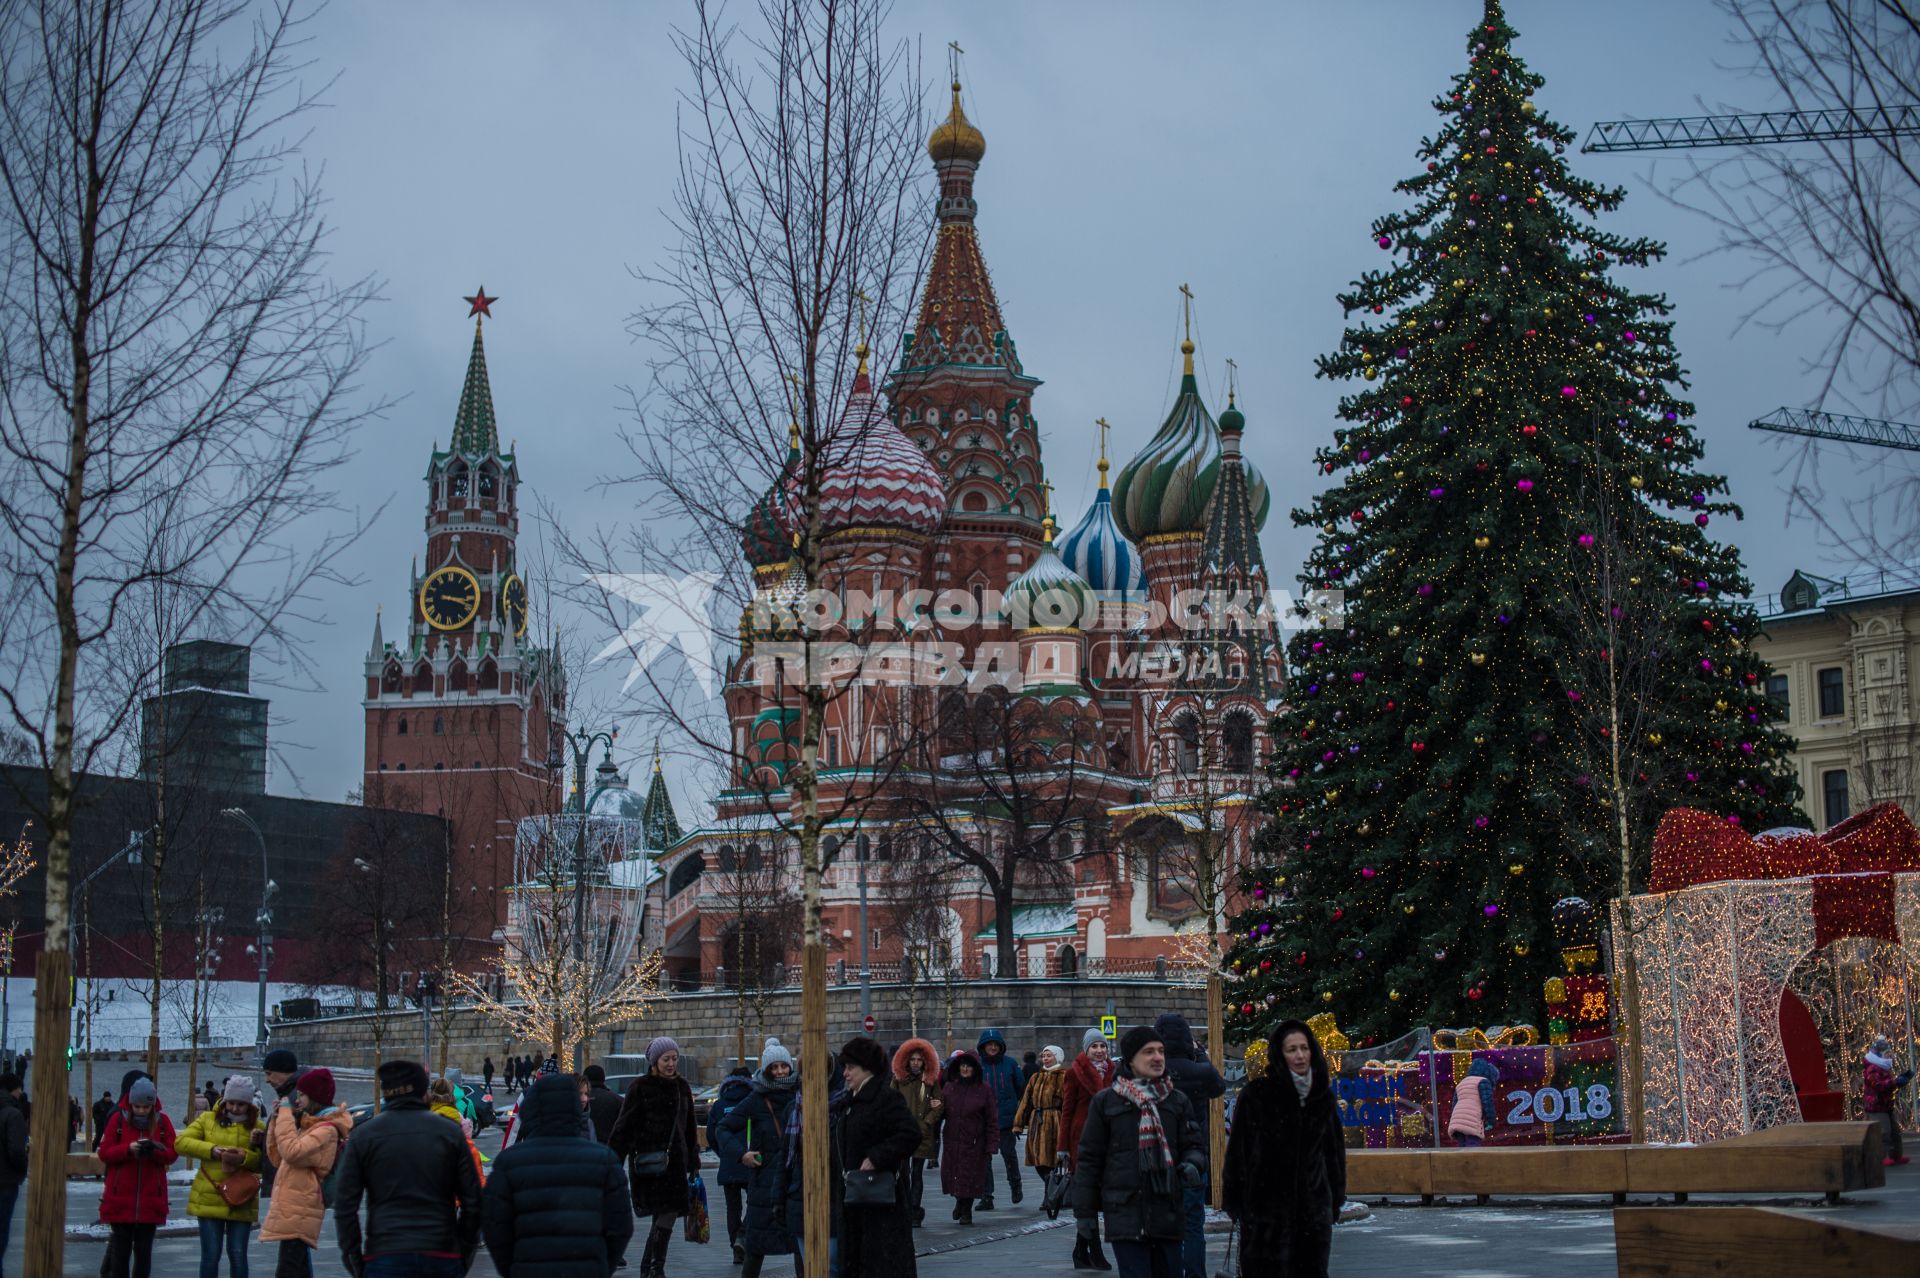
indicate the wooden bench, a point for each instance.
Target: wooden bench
{"x":1802,"y":1158}
{"x":1757,"y":1242}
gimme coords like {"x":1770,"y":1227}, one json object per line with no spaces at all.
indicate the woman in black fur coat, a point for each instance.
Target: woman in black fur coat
{"x":1287,"y":1161}
{"x":657,"y":1117}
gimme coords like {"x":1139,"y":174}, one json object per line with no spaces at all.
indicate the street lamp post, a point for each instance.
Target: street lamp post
{"x":581,"y":743}
{"x":132,"y":853}
{"x":860,"y":846}
{"x":263,"y":923}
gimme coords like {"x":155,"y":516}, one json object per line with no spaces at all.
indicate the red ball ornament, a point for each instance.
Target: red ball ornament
{"x":1529,"y":430}
{"x":1475,"y":994}
{"x":1419,"y":747}
{"x":1246,"y":1009}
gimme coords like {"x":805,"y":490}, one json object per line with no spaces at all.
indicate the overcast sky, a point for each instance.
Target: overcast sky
{"x":1242,"y":148}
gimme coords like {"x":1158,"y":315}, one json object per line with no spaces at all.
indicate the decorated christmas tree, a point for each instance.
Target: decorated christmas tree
{"x":1543,"y":646}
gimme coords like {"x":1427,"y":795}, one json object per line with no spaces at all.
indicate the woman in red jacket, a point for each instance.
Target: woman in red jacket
{"x":137,"y":1148}
{"x":1090,"y":1073}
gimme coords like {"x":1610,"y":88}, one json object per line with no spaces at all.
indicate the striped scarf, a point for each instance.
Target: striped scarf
{"x":1155,"y":1153}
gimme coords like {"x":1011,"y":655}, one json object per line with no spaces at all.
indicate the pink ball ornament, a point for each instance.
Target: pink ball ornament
{"x":1586,"y":539}
{"x":1490,"y":909}
{"x":1568,"y":392}
{"x":1359,"y":676}
{"x":1525,"y":485}
{"x":1733,"y":818}
{"x":1259,"y":892}
{"x":1701,"y":520}
{"x":1366,"y":871}
{"x":1481,"y":823}
{"x":1384,"y":242}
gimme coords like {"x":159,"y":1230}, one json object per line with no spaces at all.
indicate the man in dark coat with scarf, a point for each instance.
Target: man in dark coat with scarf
{"x":1286,"y":1172}
{"x":555,"y":1205}
{"x":1139,"y":1149}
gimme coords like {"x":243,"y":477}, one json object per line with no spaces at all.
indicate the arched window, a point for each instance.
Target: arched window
{"x":423,"y":678}
{"x":1063,"y":847}
{"x":390,"y":678}
{"x":829,"y":849}
{"x":753,"y":861}
{"x":457,"y":677}
{"x":489,"y":482}
{"x":686,"y":874}
{"x":1186,"y":745}
{"x":457,"y":480}
{"x":724,"y":860}
{"x":439,"y":726}
{"x":1236,"y":739}
{"x":403,"y":726}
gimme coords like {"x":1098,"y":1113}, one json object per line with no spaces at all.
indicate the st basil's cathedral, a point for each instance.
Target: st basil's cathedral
{"x":1148,"y":671}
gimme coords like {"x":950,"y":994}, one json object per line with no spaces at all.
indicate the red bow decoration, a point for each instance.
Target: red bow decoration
{"x":1693,"y":847}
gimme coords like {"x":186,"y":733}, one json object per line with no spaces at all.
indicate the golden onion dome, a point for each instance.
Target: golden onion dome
{"x":956,"y":139}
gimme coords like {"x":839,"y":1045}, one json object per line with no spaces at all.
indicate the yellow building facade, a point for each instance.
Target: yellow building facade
{"x":1842,"y":655}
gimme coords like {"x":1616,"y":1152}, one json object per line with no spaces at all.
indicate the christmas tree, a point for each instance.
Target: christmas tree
{"x":1543,"y":646}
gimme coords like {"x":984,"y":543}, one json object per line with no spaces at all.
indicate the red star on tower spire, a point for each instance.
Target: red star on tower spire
{"x":480,"y":302}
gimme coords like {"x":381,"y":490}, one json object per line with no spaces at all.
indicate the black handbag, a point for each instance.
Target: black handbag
{"x":870,"y":1189}
{"x":653,"y":1164}
{"x":1053,"y":1199}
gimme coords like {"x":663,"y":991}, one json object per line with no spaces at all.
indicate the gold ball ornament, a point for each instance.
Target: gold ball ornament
{"x":1371,"y":373}
{"x":1366,"y":827}
{"x":1327,"y":996}
{"x":1654,"y":738}
{"x":1479,"y":740}
{"x":1406,"y":909}
{"x":1393,"y":996}
{"x":1637,"y":482}
{"x":1522,"y":949}
{"x":1479,"y":658}
{"x":1516,"y":869}
{"x":1393,"y":632}
{"x":1481,"y":543}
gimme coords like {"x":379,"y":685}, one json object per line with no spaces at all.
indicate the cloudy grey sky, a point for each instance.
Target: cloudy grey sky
{"x":1243,"y":148}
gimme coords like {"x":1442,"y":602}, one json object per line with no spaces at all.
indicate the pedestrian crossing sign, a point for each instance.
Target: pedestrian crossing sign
{"x":1110,"y":1027}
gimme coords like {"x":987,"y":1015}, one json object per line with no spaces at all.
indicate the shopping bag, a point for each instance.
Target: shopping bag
{"x":699,"y":1228}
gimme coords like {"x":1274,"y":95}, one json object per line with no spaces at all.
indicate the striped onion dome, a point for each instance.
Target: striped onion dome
{"x":1050,"y":595}
{"x":1095,"y":549}
{"x":1166,"y":487}
{"x":877,"y":477}
{"x":767,"y":535}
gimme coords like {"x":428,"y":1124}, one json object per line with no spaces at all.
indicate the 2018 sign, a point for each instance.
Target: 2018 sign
{"x":1551,"y":1105}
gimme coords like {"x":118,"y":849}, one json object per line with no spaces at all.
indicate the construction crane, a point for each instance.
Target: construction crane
{"x":1838,"y":426}
{"x":1750,"y":129}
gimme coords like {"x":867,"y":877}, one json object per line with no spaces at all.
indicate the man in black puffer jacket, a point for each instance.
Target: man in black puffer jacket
{"x":415,"y":1171}
{"x":556,"y":1203}
{"x":1199,"y":1082}
{"x":1139,"y":1149}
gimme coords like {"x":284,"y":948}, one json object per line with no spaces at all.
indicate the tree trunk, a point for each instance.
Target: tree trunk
{"x":817,"y":1201}
{"x":47,"y":1158}
{"x":1623,"y":956}
{"x":1006,"y":947}
{"x":1217,"y":1107}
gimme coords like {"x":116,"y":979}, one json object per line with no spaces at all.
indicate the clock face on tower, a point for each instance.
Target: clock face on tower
{"x":449,"y":598}
{"x":513,"y":605}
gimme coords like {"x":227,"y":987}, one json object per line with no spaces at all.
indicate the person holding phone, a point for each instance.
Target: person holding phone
{"x":225,"y":1195}
{"x":137,"y":1149}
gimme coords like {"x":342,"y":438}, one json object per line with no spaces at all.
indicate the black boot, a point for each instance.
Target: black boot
{"x":1080,"y":1258}
{"x":1017,"y":1195}
{"x":657,"y":1241}
{"x":1098,"y":1257}
{"x":966,"y":1211}
{"x":739,"y":1254}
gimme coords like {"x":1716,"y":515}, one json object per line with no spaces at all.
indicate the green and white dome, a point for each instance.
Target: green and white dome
{"x":1050,"y":595}
{"x":1165,"y":489}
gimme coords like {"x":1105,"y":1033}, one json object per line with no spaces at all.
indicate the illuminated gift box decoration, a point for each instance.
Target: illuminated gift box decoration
{"x":1741,"y":931}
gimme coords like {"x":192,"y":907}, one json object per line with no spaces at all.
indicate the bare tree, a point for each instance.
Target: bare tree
{"x":799,"y":191}
{"x":561,"y":993}
{"x":1004,"y":786}
{"x":168,"y":336}
{"x":1832,"y":232}
{"x":916,"y":886}
{"x":753,"y":891}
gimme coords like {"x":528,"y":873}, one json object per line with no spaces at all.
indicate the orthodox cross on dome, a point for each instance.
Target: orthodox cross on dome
{"x":480,"y":303}
{"x":1186,"y":341}
{"x":953,"y":58}
{"x":860,"y":296}
{"x":1101,"y":423}
{"x":1046,"y":510}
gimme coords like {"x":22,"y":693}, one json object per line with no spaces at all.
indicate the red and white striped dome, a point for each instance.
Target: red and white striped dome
{"x":875,"y":476}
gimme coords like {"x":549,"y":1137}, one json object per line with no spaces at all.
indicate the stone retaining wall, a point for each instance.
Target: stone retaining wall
{"x":1032,"y":1014}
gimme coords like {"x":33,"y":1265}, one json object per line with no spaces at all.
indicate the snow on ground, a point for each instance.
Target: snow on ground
{"x":122,"y":1017}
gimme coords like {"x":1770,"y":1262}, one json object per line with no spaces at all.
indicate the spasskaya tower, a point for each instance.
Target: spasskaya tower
{"x":464,"y":710}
